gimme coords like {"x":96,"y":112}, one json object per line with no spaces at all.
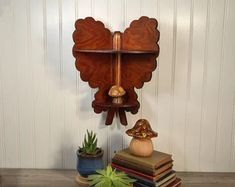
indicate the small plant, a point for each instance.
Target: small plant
{"x":89,"y":145}
{"x":110,"y":178}
{"x":89,"y":156}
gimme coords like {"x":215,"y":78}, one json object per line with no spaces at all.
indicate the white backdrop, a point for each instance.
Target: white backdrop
{"x":45,"y":108}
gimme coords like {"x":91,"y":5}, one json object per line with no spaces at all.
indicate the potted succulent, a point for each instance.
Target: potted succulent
{"x":141,"y":143}
{"x":89,"y":156}
{"x":110,"y":178}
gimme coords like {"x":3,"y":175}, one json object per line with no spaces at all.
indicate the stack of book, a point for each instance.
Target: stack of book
{"x":155,"y":170}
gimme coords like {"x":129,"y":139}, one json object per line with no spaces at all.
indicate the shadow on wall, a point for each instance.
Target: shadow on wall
{"x":65,"y":155}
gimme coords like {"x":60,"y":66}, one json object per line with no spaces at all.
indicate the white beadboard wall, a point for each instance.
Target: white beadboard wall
{"x":45,"y":108}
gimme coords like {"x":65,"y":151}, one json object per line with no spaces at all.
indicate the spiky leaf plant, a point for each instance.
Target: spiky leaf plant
{"x":110,"y":178}
{"x":89,"y":145}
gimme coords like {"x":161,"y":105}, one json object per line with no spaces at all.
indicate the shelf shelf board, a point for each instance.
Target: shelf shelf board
{"x":113,"y":105}
{"x":116,"y":51}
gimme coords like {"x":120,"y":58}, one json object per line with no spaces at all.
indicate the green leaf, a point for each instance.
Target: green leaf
{"x":109,"y":170}
{"x":107,"y":182}
{"x":85,"y":141}
{"x":93,"y":137}
{"x":93,"y":176}
{"x":95,"y":143}
{"x":100,"y":184}
{"x":101,"y":172}
{"x":110,"y":178}
{"x":95,"y":181}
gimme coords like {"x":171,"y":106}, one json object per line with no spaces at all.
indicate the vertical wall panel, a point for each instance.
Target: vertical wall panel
{"x":40,"y":88}
{"x":71,"y":138}
{"x":100,"y":12}
{"x":165,"y":71}
{"x":3,"y":14}
{"x":9,"y":70}
{"x":45,"y":108}
{"x":226,"y":92}
{"x":84,"y":92}
{"x":198,"y":39}
{"x":116,"y":15}
{"x":2,"y":121}
{"x":2,"y":150}
{"x":54,"y":75}
{"x":149,"y":90}
{"x":132,"y":12}
{"x":211,"y":85}
{"x":232,"y":154}
{"x":22,"y":41}
{"x":180,"y":82}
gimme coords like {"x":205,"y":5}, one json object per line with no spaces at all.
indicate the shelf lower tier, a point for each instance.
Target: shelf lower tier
{"x":116,"y":51}
{"x":113,"y":105}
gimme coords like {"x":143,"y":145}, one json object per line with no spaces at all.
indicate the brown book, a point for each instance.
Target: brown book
{"x":164,"y":173}
{"x":168,"y":182}
{"x":137,"y":167}
{"x":154,"y":161}
{"x":140,"y":174}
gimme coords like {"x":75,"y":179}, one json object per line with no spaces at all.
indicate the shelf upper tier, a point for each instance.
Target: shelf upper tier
{"x":116,"y":51}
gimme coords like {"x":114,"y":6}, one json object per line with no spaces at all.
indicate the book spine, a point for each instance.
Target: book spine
{"x":139,"y":184}
{"x":132,"y":166}
{"x":136,"y":162}
{"x":140,"y":168}
{"x":129,"y":171}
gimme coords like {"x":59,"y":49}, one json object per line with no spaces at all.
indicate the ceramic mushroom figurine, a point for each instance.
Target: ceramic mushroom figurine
{"x":141,"y":143}
{"x":116,"y":92}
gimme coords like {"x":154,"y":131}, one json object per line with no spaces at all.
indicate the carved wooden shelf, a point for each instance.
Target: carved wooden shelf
{"x":126,"y":60}
{"x":114,"y":51}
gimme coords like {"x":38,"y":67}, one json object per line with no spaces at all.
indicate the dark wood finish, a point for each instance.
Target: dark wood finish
{"x":124,"y":59}
{"x":66,"y":178}
{"x":115,"y":51}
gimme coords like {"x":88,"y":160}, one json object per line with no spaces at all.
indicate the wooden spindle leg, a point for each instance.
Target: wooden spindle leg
{"x":110,"y":115}
{"x":122,"y":116}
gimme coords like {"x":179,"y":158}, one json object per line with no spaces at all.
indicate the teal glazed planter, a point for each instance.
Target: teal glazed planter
{"x":88,"y":164}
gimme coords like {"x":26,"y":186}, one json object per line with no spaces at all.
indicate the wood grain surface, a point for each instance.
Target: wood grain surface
{"x":102,"y":70}
{"x":66,"y":178}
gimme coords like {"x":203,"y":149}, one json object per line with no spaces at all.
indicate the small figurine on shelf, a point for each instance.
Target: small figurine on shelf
{"x":141,"y":143}
{"x":116,"y":92}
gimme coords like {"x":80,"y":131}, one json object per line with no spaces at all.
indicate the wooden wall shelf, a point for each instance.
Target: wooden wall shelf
{"x":115,"y":51}
{"x":124,"y":60}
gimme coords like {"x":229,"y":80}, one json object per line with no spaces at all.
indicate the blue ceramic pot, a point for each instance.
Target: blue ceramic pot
{"x":88,"y":164}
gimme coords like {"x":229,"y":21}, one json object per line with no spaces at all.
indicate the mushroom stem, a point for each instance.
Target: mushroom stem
{"x":117,"y":100}
{"x":116,"y":92}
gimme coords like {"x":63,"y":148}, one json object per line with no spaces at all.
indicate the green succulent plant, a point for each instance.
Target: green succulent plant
{"x":89,"y":145}
{"x":110,"y":178}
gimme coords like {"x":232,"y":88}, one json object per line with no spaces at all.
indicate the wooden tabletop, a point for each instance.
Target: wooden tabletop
{"x":66,"y":178}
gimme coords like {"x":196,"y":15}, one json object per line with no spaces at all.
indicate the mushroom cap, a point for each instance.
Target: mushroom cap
{"x":116,"y":91}
{"x":142,"y":130}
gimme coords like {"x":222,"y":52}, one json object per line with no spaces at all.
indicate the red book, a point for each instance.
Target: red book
{"x":132,"y":171}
